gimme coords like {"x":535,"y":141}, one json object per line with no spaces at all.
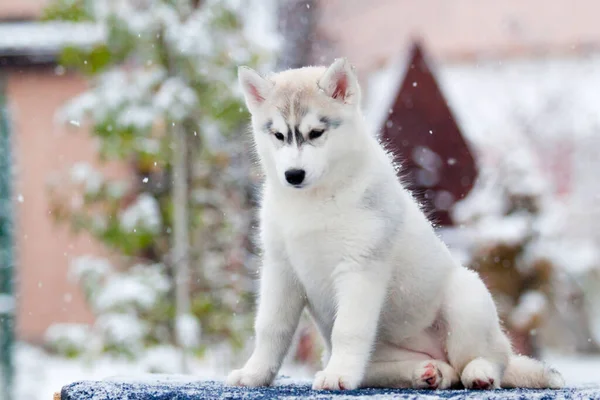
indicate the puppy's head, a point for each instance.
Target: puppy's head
{"x":304,"y":120}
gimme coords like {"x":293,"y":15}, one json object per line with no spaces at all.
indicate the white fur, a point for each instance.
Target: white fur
{"x":352,"y":246}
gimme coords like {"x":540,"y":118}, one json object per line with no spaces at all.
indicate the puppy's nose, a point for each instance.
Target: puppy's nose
{"x":295,"y":176}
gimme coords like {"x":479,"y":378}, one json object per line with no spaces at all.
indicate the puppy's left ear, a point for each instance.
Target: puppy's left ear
{"x":340,"y":82}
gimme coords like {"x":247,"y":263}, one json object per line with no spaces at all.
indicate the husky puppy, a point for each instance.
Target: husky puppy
{"x":342,"y":237}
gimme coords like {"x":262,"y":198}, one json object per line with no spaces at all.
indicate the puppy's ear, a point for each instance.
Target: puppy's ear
{"x":255,"y":88}
{"x":340,"y":82}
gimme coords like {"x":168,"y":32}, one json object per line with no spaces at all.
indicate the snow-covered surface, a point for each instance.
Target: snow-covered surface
{"x":50,"y":373}
{"x":213,"y":390}
{"x":549,"y":97}
{"x":46,"y":37}
{"x":578,"y":370}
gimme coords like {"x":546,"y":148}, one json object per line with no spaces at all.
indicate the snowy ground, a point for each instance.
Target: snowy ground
{"x":578,"y":370}
{"x":39,"y":375}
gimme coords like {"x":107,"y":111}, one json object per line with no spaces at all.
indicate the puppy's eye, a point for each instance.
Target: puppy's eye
{"x":315,"y":133}
{"x":279,"y":136}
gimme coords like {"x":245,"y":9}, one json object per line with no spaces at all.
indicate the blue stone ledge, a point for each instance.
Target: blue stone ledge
{"x":174,"y":387}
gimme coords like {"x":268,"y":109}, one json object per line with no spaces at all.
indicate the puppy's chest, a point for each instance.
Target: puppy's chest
{"x":316,"y":240}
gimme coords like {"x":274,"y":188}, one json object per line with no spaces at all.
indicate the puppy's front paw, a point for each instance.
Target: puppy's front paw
{"x":330,"y":380}
{"x":250,"y":378}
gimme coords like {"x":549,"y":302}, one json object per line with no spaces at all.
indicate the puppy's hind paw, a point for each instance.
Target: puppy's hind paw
{"x":481,"y":374}
{"x":434,"y":375}
{"x":426,"y":376}
{"x":554,"y":379}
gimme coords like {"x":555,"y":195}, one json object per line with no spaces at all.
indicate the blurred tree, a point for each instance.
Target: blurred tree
{"x":163,"y":97}
{"x":518,"y":244}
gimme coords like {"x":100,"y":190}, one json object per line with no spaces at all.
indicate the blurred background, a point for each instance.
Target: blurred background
{"x":128,"y":186}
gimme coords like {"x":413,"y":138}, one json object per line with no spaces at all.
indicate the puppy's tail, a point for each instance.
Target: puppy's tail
{"x":525,"y":372}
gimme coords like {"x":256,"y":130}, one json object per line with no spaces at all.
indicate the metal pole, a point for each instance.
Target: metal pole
{"x":6,"y":257}
{"x":297,"y":20}
{"x":181,"y":238}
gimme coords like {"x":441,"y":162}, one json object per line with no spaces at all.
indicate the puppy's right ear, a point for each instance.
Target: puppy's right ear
{"x":255,"y":87}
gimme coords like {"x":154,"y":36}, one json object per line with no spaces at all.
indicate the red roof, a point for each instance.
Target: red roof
{"x":422,"y":131}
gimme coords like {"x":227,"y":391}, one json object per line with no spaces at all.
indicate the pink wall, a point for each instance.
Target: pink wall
{"x":21,"y":8}
{"x":43,"y":250}
{"x":368,"y":32}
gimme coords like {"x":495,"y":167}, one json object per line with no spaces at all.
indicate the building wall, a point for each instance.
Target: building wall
{"x":41,"y":148}
{"x":368,"y":32}
{"x":21,"y":9}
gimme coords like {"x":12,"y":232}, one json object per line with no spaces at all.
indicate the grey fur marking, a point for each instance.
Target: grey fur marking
{"x":300,"y":109}
{"x":290,"y":134}
{"x":294,"y":107}
{"x":267,"y":127}
{"x":330,"y":122}
{"x":299,"y":138}
{"x":370,"y":200}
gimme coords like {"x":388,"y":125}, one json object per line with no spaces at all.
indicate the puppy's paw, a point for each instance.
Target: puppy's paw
{"x":434,"y":374}
{"x":330,"y":380}
{"x":250,"y":378}
{"x":481,"y":374}
{"x":426,"y":376}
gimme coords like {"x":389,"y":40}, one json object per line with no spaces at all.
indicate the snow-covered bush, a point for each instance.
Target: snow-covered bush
{"x":517,"y":239}
{"x":155,"y":69}
{"x":70,"y":340}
